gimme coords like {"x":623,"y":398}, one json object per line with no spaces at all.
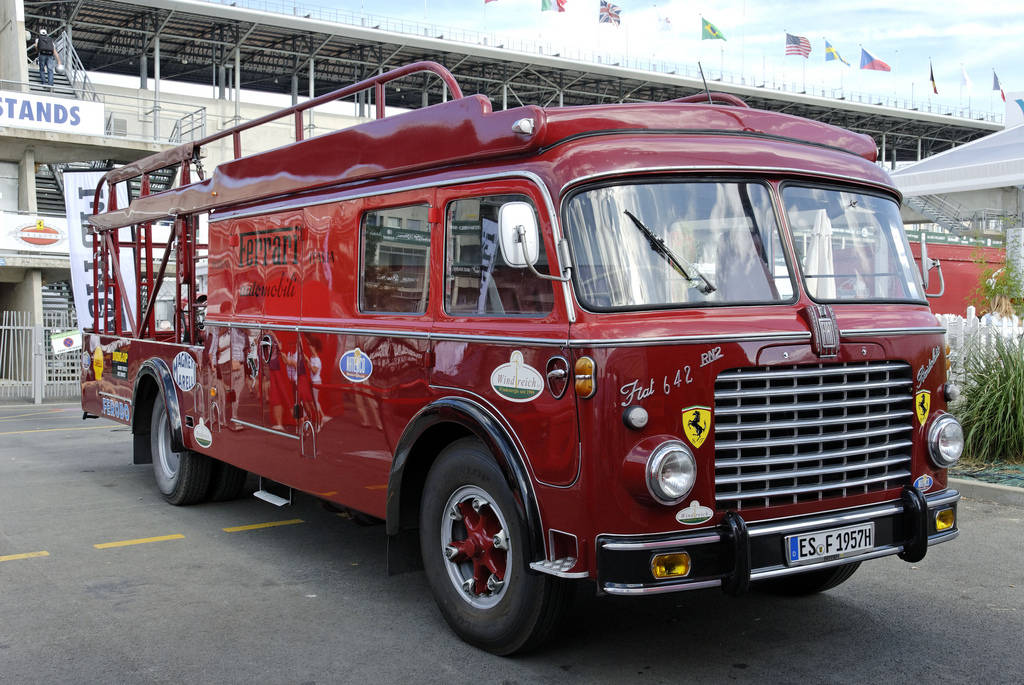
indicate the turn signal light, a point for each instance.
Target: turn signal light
{"x":670,"y":565}
{"x":944,"y":520}
{"x":586,"y":386}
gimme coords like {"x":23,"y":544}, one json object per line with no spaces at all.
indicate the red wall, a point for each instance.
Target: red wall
{"x":962,"y":273}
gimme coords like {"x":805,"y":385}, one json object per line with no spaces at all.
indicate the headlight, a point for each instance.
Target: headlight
{"x":945,"y":441}
{"x":671,"y":472}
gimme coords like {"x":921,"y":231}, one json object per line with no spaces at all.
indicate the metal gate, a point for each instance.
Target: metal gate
{"x":16,"y":356}
{"x":29,"y":368}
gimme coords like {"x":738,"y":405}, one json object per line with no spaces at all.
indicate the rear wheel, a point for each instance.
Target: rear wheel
{"x":809,"y":583}
{"x":226,"y":481}
{"x":473,"y":543}
{"x":182,"y":477}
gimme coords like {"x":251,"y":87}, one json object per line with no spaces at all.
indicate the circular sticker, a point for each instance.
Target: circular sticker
{"x":184,"y":371}
{"x":355,"y":365}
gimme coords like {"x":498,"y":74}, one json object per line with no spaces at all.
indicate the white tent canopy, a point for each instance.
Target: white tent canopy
{"x":984,"y":175}
{"x":994,"y":161}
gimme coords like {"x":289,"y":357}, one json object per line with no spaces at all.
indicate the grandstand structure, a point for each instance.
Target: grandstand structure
{"x":310,"y":51}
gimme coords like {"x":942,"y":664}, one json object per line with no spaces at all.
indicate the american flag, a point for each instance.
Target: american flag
{"x":798,"y":45}
{"x":609,"y":13}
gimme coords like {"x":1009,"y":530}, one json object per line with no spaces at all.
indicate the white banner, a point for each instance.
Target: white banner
{"x":28,"y":110}
{"x":79,"y":188}
{"x":33,"y":233}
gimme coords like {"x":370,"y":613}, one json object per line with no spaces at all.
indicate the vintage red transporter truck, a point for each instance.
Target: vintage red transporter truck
{"x":659,"y":346}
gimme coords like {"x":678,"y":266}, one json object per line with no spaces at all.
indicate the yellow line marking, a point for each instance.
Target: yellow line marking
{"x":34,"y":413}
{"x":138,"y":541}
{"x":27,"y":555}
{"x":257,"y":526}
{"x":47,"y":430}
{"x":368,"y":487}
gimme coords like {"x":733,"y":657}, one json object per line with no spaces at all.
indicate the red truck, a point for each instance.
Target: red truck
{"x":655,"y":346}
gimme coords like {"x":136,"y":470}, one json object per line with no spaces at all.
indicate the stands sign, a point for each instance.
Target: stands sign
{"x":28,"y":110}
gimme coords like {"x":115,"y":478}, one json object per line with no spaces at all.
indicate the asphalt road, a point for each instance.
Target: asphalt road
{"x":308,"y":602}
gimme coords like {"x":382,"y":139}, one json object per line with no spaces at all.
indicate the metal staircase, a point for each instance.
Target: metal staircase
{"x":941,"y":211}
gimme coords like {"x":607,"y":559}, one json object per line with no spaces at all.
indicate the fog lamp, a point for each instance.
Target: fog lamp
{"x":670,"y":565}
{"x":944,"y":520}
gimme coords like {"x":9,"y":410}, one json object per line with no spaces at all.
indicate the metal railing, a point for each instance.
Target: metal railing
{"x":75,"y":70}
{"x":190,"y":127}
{"x":491,"y":39}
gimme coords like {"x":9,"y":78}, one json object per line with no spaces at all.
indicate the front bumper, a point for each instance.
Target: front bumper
{"x":734,"y":553}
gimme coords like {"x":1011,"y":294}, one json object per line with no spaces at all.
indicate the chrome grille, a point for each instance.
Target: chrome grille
{"x":786,"y":435}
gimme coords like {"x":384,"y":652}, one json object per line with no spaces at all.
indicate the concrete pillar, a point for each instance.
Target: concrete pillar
{"x":143,"y":70}
{"x":156,"y":88}
{"x":504,"y":96}
{"x":882,"y":160}
{"x":27,"y":182}
{"x":295,"y":89}
{"x":27,"y":296}
{"x":13,"y":39}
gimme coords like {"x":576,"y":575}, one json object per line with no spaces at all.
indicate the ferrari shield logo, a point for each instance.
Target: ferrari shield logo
{"x":922,"y":404}
{"x":696,"y":425}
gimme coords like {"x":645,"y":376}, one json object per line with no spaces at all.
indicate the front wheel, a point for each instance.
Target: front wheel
{"x":808,"y":583}
{"x":473,"y":543}
{"x":182,"y":477}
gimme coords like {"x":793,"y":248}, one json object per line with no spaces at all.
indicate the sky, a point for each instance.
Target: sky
{"x":976,"y":37}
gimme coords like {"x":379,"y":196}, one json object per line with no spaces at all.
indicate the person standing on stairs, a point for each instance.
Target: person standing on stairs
{"x":47,"y":53}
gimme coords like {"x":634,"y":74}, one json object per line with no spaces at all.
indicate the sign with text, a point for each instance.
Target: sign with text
{"x":29,"y":110}
{"x":33,"y":233}
{"x":78,"y":195}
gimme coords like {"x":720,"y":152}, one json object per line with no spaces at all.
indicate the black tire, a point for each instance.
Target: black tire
{"x":181,"y":477}
{"x":520,"y":613}
{"x":226,"y":481}
{"x":808,"y":583}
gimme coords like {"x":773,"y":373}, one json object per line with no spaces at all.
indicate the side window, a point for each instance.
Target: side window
{"x":395,"y":257}
{"x":477,"y":279}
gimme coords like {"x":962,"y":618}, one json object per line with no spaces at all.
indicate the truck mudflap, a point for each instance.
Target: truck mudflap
{"x":735,"y":553}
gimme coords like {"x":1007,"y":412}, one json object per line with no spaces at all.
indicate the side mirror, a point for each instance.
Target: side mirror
{"x":518,"y":234}
{"x":925,"y":267}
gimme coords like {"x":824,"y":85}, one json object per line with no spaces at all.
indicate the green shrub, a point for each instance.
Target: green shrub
{"x":991,"y":405}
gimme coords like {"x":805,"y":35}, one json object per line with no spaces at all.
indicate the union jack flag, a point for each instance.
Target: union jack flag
{"x":609,"y":13}
{"x":798,"y":45}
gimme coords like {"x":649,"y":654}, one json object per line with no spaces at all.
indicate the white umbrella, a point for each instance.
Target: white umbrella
{"x":819,"y":259}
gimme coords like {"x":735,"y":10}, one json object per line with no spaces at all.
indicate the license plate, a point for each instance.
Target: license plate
{"x":826,"y":545}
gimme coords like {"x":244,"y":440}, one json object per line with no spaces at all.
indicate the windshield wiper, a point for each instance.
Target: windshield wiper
{"x":677,"y":262}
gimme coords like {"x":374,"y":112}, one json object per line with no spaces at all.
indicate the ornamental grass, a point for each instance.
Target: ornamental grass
{"x":991,"y":405}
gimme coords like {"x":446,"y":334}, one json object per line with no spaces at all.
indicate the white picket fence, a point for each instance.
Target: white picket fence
{"x":972,"y":335}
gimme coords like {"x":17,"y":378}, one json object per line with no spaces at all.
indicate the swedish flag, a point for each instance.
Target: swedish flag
{"x":831,"y":54}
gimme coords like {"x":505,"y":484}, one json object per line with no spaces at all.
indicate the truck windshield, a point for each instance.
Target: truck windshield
{"x":850,"y":245}
{"x":693,"y":235}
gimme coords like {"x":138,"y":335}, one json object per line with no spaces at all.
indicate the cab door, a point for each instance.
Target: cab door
{"x":501,"y":331}
{"x":267,"y":290}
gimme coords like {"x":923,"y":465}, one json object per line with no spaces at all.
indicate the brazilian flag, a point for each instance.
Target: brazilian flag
{"x":709,"y":31}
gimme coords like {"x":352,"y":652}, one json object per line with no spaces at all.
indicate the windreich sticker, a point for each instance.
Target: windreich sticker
{"x":517,"y":381}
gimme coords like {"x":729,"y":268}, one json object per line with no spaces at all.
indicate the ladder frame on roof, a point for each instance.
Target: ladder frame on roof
{"x":106,"y":244}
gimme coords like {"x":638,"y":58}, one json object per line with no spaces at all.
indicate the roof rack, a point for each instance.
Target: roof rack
{"x":107,"y":271}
